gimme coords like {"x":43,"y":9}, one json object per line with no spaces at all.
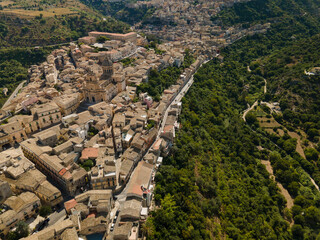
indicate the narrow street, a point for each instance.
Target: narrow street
{"x":56,"y":216}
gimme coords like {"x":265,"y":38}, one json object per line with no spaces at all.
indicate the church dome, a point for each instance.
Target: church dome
{"x":106,"y":62}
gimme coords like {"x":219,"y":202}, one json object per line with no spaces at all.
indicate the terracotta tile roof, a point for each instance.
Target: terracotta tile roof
{"x":89,"y":153}
{"x":70,"y":204}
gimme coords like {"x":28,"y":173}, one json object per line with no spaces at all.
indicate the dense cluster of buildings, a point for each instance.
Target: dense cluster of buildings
{"x":191,"y":23}
{"x":79,"y":130}
{"x":78,"y":134}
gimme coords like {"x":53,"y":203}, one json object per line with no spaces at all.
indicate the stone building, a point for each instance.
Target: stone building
{"x":11,"y":134}
{"x":128,"y":37}
{"x":68,"y":176}
{"x":46,"y":114}
{"x":107,"y":68}
{"x":18,"y":208}
{"x":94,"y":89}
{"x":104,"y":88}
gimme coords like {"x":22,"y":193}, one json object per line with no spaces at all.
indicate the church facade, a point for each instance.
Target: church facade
{"x":104,"y":88}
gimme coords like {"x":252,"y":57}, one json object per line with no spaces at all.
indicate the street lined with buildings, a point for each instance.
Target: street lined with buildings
{"x":81,"y":139}
{"x":81,"y":160}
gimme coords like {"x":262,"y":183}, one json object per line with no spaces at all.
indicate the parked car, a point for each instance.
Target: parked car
{"x":112,"y":227}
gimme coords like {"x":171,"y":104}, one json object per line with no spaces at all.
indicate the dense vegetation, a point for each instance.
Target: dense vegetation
{"x":213,"y":186}
{"x":297,"y":92}
{"x":125,"y":11}
{"x":42,"y":31}
{"x":159,"y":81}
{"x":261,"y":11}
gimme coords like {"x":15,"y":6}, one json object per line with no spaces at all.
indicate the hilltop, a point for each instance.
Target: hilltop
{"x":33,"y":23}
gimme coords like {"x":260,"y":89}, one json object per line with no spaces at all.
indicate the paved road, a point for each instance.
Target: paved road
{"x":177,"y":99}
{"x":56,"y":216}
{"x":131,"y":54}
{"x":14,"y":94}
{"x":121,"y":197}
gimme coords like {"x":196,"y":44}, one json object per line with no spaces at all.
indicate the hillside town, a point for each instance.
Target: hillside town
{"x":191,"y":23}
{"x":80,"y":138}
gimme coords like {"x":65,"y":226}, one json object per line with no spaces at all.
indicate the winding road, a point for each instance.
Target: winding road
{"x":298,"y":138}
{"x":248,"y":110}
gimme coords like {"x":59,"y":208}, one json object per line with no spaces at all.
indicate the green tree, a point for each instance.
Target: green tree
{"x":102,"y":39}
{"x":22,"y":230}
{"x":312,"y":133}
{"x":297,"y":231}
{"x":290,"y":145}
{"x":311,"y":154}
{"x":251,"y":118}
{"x":312,"y":217}
{"x":148,"y":229}
{"x":45,"y":210}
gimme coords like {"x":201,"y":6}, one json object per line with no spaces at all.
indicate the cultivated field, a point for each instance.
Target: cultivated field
{"x":33,"y":13}
{"x":48,"y":8}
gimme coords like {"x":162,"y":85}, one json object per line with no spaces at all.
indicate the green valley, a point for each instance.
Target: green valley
{"x":214,"y":185}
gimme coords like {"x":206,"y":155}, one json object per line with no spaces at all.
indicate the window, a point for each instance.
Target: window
{"x":57,"y":116}
{"x":44,"y":120}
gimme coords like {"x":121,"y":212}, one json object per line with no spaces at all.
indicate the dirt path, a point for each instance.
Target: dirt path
{"x":248,"y":110}
{"x":283,"y":191}
{"x":299,"y":148}
{"x":256,"y":102}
